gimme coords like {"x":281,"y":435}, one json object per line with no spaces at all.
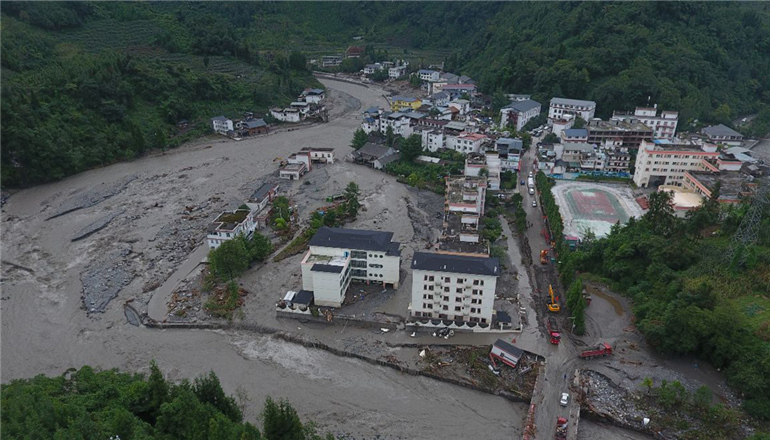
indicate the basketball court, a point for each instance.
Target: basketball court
{"x":594,"y":207}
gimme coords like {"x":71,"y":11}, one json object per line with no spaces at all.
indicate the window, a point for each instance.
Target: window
{"x":356,"y":263}
{"x":458,"y":299}
{"x":446,"y":299}
{"x":430,"y":287}
{"x":447,"y":279}
{"x":430,"y":278}
{"x":426,"y":296}
{"x":459,"y":290}
{"x":475,"y":301}
{"x":358,"y":254}
{"x":446,"y":289}
{"x":445,"y":308}
{"x":458,"y":308}
{"x":358,"y":273}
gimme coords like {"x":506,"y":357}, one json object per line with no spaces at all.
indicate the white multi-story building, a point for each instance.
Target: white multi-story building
{"x":564,"y":106}
{"x":221,"y":124}
{"x":399,"y":122}
{"x":230,"y":224}
{"x":338,"y":256}
{"x":518,"y":113}
{"x":663,"y":125}
{"x":397,"y":71}
{"x":560,"y":125}
{"x":453,"y":287}
{"x":371,"y":68}
{"x":465,"y":142}
{"x":665,"y":162}
{"x":288,"y":114}
{"x":432,"y":138}
{"x":428,"y":75}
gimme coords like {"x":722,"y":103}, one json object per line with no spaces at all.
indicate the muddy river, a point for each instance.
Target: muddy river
{"x":45,"y":329}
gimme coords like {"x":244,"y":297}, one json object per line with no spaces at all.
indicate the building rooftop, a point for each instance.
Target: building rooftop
{"x":567,"y":101}
{"x":256,"y":123}
{"x":456,"y":125}
{"x":219,"y":118}
{"x":732,"y":183}
{"x":580,"y":146}
{"x":390,"y":158}
{"x":357,"y":239}
{"x":508,"y":348}
{"x":456,"y":264}
{"x":374,"y":150}
{"x":523,"y":106}
{"x":575,"y":132}
{"x":262,"y":191}
{"x":318,"y":267}
{"x":617,"y":125}
{"x":293,"y":167}
{"x":403,"y":98}
{"x":720,"y":130}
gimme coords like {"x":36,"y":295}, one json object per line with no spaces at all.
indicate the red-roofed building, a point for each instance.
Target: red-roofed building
{"x":354,"y":52}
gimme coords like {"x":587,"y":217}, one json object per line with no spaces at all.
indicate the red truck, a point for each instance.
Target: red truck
{"x":561,"y":429}
{"x":553,"y":331}
{"x":604,"y":349}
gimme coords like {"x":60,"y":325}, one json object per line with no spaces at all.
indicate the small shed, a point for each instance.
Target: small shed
{"x":506,"y":352}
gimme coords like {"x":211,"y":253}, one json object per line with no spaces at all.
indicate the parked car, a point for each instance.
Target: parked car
{"x":564,"y":399}
{"x":534,"y":203}
{"x":523,"y":182}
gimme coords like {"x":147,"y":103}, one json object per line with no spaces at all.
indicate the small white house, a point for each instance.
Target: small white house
{"x":372,"y":68}
{"x":230,"y":224}
{"x":286,"y":114}
{"x":313,"y":96}
{"x":221,"y":125}
{"x":428,"y":75}
{"x":397,"y":71}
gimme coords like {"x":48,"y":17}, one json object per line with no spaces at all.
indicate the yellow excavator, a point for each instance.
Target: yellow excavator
{"x":553,"y":301}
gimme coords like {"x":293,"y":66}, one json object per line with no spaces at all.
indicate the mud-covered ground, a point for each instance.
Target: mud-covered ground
{"x":165,"y":202}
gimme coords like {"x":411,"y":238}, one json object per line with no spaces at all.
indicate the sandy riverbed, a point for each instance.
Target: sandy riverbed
{"x":45,"y":330}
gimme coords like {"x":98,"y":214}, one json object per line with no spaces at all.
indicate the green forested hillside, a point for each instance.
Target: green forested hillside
{"x":99,"y":405}
{"x":691,"y":296}
{"x":86,"y":84}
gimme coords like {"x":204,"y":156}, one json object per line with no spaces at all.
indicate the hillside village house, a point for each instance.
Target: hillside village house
{"x":372,"y":68}
{"x":397,"y":71}
{"x":466,"y":142}
{"x":428,"y":75}
{"x":331,"y":60}
{"x":562,"y":106}
{"x":286,"y":114}
{"x":457,"y":90}
{"x":354,"y":52}
{"x":455,"y":288}
{"x":560,"y":125}
{"x":722,"y":134}
{"x":221,"y":125}
{"x":373,"y":155}
{"x":313,"y":96}
{"x":319,"y":154}
{"x":338,"y":256}
{"x":574,"y":135}
{"x":510,"y":152}
{"x":518,"y":113}
{"x":230,"y":224}
{"x":253,"y":126}
{"x":663,"y":125}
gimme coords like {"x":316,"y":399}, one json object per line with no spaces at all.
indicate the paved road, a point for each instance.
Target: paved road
{"x":561,"y":359}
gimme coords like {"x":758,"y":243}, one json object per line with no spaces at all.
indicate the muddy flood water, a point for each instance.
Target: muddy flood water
{"x":46,"y":330}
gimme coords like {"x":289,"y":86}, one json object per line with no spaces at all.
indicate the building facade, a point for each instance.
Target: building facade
{"x":564,"y":106}
{"x":230,"y":224}
{"x":665,"y":162}
{"x":722,"y":134}
{"x":516,"y":114}
{"x":339,"y":256}
{"x":221,"y":125}
{"x":453,"y":287}
{"x":663,"y":125}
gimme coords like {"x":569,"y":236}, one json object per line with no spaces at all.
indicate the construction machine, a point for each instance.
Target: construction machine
{"x":544,"y":256}
{"x":553,"y":300}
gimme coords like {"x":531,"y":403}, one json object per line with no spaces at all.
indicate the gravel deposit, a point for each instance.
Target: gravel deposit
{"x":93,"y":196}
{"x":104,"y":278}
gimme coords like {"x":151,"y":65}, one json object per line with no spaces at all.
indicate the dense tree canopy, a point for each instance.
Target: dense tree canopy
{"x":89,"y":404}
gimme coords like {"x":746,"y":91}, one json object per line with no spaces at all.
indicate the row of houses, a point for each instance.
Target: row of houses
{"x":301,"y":162}
{"x":249,"y":126}
{"x":395,"y":69}
{"x":308,"y":104}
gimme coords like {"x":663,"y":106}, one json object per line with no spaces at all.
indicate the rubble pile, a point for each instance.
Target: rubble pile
{"x":185,"y":304}
{"x":604,"y":398}
{"x":96,"y":225}
{"x":105,"y":278}
{"x":92,"y":197}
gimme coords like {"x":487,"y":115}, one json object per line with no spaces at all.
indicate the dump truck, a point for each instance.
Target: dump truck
{"x":553,"y":300}
{"x":544,"y":256}
{"x":561,"y":429}
{"x":553,"y":330}
{"x":604,"y":349}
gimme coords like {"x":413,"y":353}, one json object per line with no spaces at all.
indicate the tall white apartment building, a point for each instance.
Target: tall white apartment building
{"x":564,"y":106}
{"x":665,"y":162}
{"x":338,"y":256}
{"x":454,"y":287}
{"x":663,"y":125}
